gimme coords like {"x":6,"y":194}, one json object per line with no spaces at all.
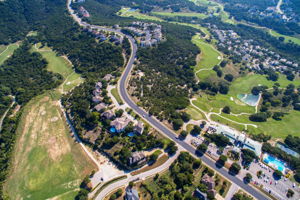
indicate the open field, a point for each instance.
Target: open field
{"x":126,"y":12}
{"x":209,"y":57}
{"x":181,"y":14}
{"x":47,"y":162}
{"x":195,"y":114}
{"x":287,"y":38}
{"x":60,"y":65}
{"x":7,"y":51}
{"x":243,"y":85}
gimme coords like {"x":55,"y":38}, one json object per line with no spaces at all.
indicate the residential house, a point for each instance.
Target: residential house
{"x":208,"y":181}
{"x":137,"y":158}
{"x":120,"y":124}
{"x":108,"y":77}
{"x":108,"y":114}
{"x":131,"y":194}
{"x":97,"y":99}
{"x":100,"y":106}
{"x":139,"y":128}
{"x":98,"y":85}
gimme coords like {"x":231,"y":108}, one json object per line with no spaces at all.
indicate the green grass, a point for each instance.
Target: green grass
{"x":115,"y":93}
{"x":7,"y":51}
{"x":242,"y":85}
{"x":287,"y":38}
{"x":124,"y":12}
{"x":58,"y":64}
{"x":180,"y":14}
{"x":47,"y":162}
{"x":208,"y":59}
{"x":195,"y":114}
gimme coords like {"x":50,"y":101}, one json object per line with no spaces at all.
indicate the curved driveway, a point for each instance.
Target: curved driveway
{"x":122,"y":87}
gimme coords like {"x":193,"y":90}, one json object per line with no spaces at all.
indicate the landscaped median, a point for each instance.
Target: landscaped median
{"x":103,"y":186}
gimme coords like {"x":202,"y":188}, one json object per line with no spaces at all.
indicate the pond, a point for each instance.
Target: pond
{"x":249,"y":99}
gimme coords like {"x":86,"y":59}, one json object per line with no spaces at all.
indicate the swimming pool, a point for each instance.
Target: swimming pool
{"x":112,"y":130}
{"x":249,"y":99}
{"x":274,"y":162}
{"x":131,"y":134}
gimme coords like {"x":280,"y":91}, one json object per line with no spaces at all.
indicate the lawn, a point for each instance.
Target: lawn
{"x":61,"y":65}
{"x":7,"y":51}
{"x":278,"y":129}
{"x":47,"y":161}
{"x":115,"y":93}
{"x":195,"y":114}
{"x":208,"y":59}
{"x":126,"y":12}
{"x":287,"y":38}
{"x":181,"y":14}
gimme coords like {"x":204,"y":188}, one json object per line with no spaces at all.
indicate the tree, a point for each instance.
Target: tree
{"x":183,"y":134}
{"x":277,"y":174}
{"x":258,"y":117}
{"x":222,"y":160}
{"x":228,"y":77}
{"x":196,"y":130}
{"x":197,"y":163}
{"x":226,"y":110}
{"x":185,"y":116}
{"x":259,"y":174}
{"x":177,"y":123}
{"x":248,"y":156}
{"x":290,"y":193}
{"x":248,"y":178}
{"x":202,"y":148}
{"x":234,"y":168}
{"x":172,"y":148}
{"x":119,"y":113}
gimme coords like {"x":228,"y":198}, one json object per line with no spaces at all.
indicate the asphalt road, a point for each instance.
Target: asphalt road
{"x":157,"y":124}
{"x":163,"y":129}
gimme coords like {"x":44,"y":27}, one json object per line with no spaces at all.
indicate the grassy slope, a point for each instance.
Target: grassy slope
{"x":181,"y":14}
{"x":7,"y":51}
{"x":208,"y":58}
{"x":278,"y":129}
{"x":124,"y":12}
{"x":47,"y":161}
{"x":239,"y":86}
{"x":287,"y":38}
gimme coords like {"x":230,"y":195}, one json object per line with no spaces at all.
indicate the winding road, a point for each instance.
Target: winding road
{"x":122,"y":87}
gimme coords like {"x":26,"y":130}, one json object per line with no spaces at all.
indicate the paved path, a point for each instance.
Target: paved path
{"x":5,"y":113}
{"x":122,"y":87}
{"x":278,"y":9}
{"x":90,"y":155}
{"x":142,"y":176}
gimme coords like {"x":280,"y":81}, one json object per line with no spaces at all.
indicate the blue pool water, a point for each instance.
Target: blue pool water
{"x":132,"y":9}
{"x":112,"y":130}
{"x":249,"y":99}
{"x":131,"y":134}
{"x":274,"y":162}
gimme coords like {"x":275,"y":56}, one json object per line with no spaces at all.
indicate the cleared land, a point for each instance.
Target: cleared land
{"x":7,"y":51}
{"x":47,"y":162}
